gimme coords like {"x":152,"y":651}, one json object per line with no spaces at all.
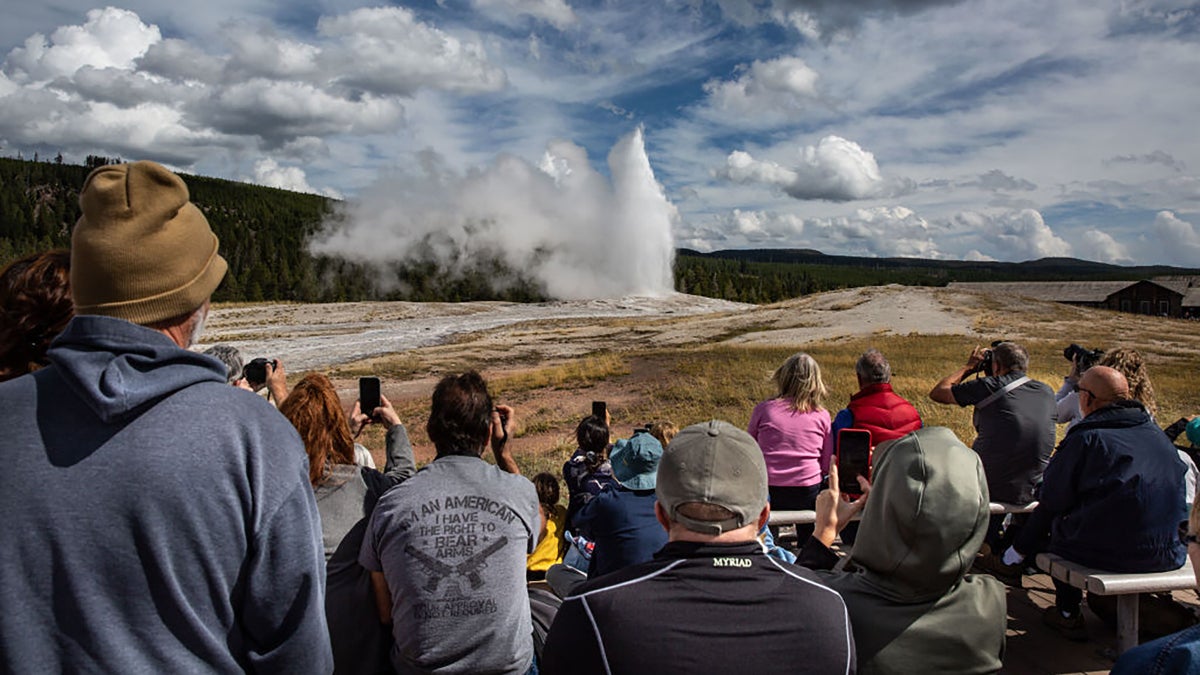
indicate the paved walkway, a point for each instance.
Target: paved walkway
{"x":1033,"y":648}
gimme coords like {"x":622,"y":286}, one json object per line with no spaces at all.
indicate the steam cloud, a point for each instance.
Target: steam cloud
{"x":579,"y":234}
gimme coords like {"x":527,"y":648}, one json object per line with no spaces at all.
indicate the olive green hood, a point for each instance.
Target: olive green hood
{"x":926,"y":517}
{"x":913,"y":606}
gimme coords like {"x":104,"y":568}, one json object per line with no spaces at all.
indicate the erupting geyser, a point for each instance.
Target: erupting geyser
{"x":562,"y":223}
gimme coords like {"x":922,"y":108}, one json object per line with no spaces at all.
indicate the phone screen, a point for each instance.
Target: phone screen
{"x":599,"y":408}
{"x":368,"y":394}
{"x":854,"y":459}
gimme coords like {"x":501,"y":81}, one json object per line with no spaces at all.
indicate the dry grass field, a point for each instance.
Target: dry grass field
{"x":645,"y":372}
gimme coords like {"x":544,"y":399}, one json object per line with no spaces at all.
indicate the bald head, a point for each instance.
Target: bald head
{"x":1101,"y":386}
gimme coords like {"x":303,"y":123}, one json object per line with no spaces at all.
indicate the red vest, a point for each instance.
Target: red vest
{"x":879,"y":410}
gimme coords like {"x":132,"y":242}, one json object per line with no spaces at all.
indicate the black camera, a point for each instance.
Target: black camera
{"x":1086,"y":358}
{"x":985,"y":366}
{"x":255,"y":371}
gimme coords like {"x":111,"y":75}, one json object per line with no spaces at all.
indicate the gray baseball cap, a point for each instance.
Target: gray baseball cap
{"x":713,"y":463}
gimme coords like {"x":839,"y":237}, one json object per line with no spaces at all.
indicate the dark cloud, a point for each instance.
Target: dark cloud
{"x":1156,"y":157}
{"x":998,"y":181}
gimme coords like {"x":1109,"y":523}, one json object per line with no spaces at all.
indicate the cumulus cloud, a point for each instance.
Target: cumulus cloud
{"x":554,"y":12}
{"x":386,"y":50}
{"x":835,"y":170}
{"x":764,"y":88}
{"x":114,"y":85}
{"x":270,"y":173}
{"x":879,"y":232}
{"x":1100,"y":246}
{"x":579,"y":233}
{"x":827,"y":18}
{"x":1013,"y":235}
{"x":110,"y":38}
{"x":1179,"y":240}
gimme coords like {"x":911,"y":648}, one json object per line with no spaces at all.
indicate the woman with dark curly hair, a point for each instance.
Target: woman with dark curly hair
{"x":35,"y":299}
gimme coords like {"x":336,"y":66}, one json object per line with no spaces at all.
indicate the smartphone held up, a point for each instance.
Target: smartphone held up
{"x":368,"y":395}
{"x":853,"y":460}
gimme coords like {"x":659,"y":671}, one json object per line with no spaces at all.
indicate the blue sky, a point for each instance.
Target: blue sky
{"x":993,"y":129}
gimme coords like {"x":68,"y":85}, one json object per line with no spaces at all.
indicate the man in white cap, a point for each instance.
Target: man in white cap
{"x":710,"y":601}
{"x":156,"y":519}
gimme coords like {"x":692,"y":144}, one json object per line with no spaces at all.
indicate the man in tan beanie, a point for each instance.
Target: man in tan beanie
{"x":156,"y":520}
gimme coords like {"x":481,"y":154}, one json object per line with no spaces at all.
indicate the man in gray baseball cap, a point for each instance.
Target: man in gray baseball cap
{"x":710,"y":601}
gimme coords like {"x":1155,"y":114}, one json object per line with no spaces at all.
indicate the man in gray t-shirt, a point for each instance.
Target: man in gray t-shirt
{"x":1014,"y":422}
{"x":447,"y":548}
{"x":1014,"y":429}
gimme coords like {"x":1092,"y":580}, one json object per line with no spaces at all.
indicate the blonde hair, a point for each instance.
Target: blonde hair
{"x":664,"y":431}
{"x":799,"y":381}
{"x":1130,"y":364}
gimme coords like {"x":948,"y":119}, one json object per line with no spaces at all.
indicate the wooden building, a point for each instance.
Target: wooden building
{"x":1174,"y":297}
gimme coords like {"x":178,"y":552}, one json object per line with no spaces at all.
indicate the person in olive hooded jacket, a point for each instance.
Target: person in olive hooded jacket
{"x":913,"y":606}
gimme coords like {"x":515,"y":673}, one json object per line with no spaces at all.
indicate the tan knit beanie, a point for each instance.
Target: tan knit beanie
{"x":141,"y":251}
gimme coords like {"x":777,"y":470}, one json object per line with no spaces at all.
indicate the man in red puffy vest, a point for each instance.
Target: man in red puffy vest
{"x":876,"y":407}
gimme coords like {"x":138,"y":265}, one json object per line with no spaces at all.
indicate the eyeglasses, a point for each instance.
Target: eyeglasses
{"x":1089,"y":392}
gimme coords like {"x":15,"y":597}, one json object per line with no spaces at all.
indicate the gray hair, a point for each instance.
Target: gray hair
{"x":231,"y":358}
{"x":1012,"y":356}
{"x":873,"y":368}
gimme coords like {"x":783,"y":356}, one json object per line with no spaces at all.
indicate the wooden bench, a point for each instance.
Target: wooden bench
{"x":810,"y":517}
{"x":1125,"y":586}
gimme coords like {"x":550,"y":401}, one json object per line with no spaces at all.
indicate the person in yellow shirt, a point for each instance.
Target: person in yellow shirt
{"x":549,"y":550}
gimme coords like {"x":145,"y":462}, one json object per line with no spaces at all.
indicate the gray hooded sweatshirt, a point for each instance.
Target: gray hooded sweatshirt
{"x":156,"y":519}
{"x":913,"y":606}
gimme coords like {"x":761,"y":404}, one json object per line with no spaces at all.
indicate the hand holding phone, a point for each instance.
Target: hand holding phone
{"x":853,"y":460}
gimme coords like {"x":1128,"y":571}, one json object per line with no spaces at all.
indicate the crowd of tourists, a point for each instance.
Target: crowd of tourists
{"x":169,"y":510}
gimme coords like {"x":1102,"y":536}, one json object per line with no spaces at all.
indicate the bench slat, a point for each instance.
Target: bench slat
{"x":808,"y":517}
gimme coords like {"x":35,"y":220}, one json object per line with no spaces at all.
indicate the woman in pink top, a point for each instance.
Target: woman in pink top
{"x":795,"y":434}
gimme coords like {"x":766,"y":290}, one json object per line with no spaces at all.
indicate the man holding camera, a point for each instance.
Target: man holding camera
{"x":1014,"y":424}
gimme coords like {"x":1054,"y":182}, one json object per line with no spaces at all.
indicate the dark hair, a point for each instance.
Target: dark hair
{"x":315,"y":410}
{"x":547,"y":489}
{"x":35,"y":300}
{"x":460,"y":415}
{"x":592,"y":436}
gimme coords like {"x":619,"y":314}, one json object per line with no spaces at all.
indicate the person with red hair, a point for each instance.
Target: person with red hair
{"x":346,"y":491}
{"x":35,"y":300}
{"x":346,"y":494}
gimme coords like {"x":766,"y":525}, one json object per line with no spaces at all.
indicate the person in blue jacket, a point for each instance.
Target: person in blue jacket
{"x":1113,"y":496}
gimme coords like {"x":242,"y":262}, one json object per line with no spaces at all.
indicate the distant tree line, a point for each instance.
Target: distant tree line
{"x":265,"y":235}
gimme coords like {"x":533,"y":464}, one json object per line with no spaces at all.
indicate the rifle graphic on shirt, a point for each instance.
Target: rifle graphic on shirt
{"x":470,"y":567}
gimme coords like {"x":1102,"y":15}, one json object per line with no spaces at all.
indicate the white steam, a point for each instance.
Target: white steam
{"x":562,"y":223}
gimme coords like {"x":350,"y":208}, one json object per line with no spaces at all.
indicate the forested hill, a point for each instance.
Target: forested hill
{"x":265,"y":232}
{"x":264,"y":235}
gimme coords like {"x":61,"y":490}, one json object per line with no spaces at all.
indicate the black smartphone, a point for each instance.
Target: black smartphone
{"x":599,"y":409}
{"x":368,"y":394}
{"x":853,"y":460}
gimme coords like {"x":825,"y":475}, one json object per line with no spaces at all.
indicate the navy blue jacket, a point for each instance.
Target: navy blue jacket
{"x":1113,"y":495}
{"x":622,"y":523}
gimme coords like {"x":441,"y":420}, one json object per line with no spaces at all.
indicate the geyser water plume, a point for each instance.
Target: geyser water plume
{"x":578,"y":233}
